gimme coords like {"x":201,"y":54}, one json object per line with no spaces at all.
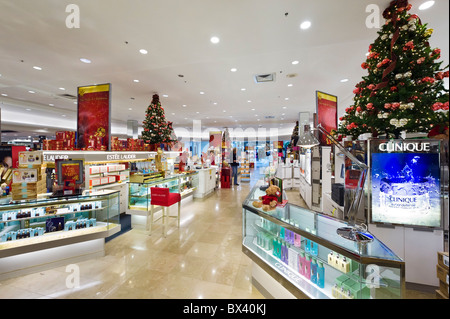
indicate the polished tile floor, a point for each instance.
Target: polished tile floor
{"x":201,"y":259}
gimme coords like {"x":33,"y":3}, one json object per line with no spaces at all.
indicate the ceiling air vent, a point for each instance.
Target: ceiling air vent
{"x":68,"y":96}
{"x":260,"y":78}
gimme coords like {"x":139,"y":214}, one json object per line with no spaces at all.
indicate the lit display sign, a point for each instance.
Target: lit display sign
{"x":405,"y":182}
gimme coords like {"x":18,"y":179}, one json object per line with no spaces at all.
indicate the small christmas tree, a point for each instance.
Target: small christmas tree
{"x":156,"y":129}
{"x":404,"y":90}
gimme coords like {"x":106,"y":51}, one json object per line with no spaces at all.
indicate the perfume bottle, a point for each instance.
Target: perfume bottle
{"x":344,"y":265}
{"x":331,"y":258}
{"x":320,"y":275}
{"x":284,"y":254}
{"x":314,"y":247}
{"x":307,"y":270}
{"x":337,"y":261}
{"x":297,"y":239}
{"x":301,"y":263}
{"x":293,"y":258}
{"x":314,"y":271}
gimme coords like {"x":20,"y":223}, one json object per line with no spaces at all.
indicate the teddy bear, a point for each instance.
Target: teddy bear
{"x":269,"y":201}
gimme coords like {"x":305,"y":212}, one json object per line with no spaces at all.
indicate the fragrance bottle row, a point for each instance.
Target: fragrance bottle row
{"x":287,"y":247}
{"x":49,"y":210}
{"x":22,"y":233}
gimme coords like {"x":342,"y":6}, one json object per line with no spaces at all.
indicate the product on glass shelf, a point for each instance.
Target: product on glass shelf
{"x":301,"y":263}
{"x":320,"y":275}
{"x":344,"y":265}
{"x":307,"y":271}
{"x":337,"y":261}
{"x":293,"y":258}
{"x":277,"y":247}
{"x":314,"y":247}
{"x":331,"y":258}
{"x":314,"y":271}
{"x":297,"y":239}
{"x":284,"y":256}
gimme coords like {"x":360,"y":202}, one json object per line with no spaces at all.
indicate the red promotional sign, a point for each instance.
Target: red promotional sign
{"x":326,"y":114}
{"x":94,"y":121}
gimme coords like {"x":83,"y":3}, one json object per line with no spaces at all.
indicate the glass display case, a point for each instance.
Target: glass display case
{"x":31,"y":225}
{"x":301,"y":249}
{"x":140,"y":196}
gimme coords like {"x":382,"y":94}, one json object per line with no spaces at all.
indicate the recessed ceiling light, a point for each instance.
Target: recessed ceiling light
{"x":28,"y":109}
{"x":305,"y":25}
{"x":259,"y":120}
{"x":426,"y":5}
{"x":224,"y":111}
{"x":165,"y":95}
{"x":84,"y":60}
{"x":143,"y":51}
{"x":286,"y":98}
{"x":130,"y":109}
{"x":184,"y":105}
{"x":3,"y":94}
{"x":52,"y":104}
{"x":243,"y":89}
{"x":173,"y":113}
{"x":249,"y":101}
{"x":344,"y":80}
{"x":233,"y":70}
{"x":136,"y":81}
{"x":215,"y":103}
{"x":202,"y":93}
{"x":37,"y":68}
{"x":32,"y":92}
{"x":284,"y":107}
{"x":253,"y":109}
{"x":197,"y":112}
{"x":295,"y":62}
{"x":64,"y":115}
{"x":62,"y":89}
{"x":215,"y":40}
{"x":290,"y":85}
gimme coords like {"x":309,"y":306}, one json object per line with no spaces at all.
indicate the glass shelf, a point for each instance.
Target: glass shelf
{"x":363,"y":270}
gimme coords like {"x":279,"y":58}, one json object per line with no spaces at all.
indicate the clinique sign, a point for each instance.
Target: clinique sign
{"x":405,"y":147}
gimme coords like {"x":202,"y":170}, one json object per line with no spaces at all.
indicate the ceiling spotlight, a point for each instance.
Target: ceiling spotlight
{"x":143,"y":51}
{"x":426,"y":5}
{"x":62,"y":89}
{"x":130,"y":109}
{"x":233,"y":70}
{"x":3,"y":94}
{"x":305,"y":25}
{"x":37,"y":68}
{"x":295,"y":62}
{"x":184,"y":105}
{"x":32,"y":92}
{"x":165,"y":95}
{"x":202,"y":93}
{"x":290,"y":85}
{"x":344,"y":80}
{"x":51,"y":104}
{"x":28,"y":109}
{"x":84,"y":60}
{"x":136,"y":81}
{"x":215,"y":40}
{"x":243,"y":89}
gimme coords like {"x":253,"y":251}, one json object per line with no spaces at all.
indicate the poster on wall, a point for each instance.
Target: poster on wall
{"x":94,"y":117}
{"x":326,"y":109}
{"x":405,"y":182}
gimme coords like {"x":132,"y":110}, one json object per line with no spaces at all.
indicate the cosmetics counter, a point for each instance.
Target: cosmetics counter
{"x":50,"y":231}
{"x":139,"y":193}
{"x":297,"y":253}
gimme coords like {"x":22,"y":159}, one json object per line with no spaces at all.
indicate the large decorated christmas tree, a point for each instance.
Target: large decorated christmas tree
{"x":156,"y":129}
{"x":404,"y":89}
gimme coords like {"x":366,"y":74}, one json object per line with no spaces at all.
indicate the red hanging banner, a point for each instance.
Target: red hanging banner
{"x":94,"y":117}
{"x":326,"y":108}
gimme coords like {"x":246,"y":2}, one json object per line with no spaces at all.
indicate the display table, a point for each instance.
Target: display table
{"x":48,"y":232}
{"x":298,"y":254}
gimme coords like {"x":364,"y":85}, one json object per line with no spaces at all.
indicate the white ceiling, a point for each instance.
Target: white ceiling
{"x":256,"y":37}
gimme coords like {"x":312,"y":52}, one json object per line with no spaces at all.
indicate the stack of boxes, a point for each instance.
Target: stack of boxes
{"x":112,"y":174}
{"x":29,"y":179}
{"x":245,"y":171}
{"x":65,"y":141}
{"x":129,"y":145}
{"x":442,"y":274}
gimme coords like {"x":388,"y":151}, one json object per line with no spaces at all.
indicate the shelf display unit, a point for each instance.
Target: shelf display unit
{"x":245,"y":170}
{"x":301,"y":250}
{"x":44,"y":231}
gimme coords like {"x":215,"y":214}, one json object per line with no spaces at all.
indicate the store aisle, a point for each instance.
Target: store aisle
{"x":201,"y":259}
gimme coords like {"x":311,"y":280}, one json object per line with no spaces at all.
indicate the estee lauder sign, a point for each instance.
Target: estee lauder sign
{"x":405,"y":147}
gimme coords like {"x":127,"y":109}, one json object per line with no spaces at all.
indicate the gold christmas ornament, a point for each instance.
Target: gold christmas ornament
{"x":429,"y":32}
